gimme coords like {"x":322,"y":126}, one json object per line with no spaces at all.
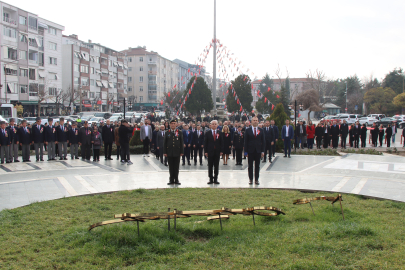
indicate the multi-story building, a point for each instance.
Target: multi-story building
{"x":187,"y":71}
{"x":150,"y":76}
{"x":31,"y":56}
{"x":95,"y":75}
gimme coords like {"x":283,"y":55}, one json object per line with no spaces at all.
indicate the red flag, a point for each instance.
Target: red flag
{"x":227,"y":91}
{"x":272,"y":106}
{"x":188,"y":70}
{"x":277,"y":96}
{"x":258,"y":93}
{"x":189,"y":91}
{"x":231,"y":86}
{"x":185,"y":99}
{"x":237,"y":101}
{"x":181,"y":77}
{"x":240,"y":108}
{"x":177,"y":112}
{"x":161,"y":102}
{"x":265,"y":99}
{"x":233,"y":93}
{"x":171,"y":101}
{"x":168,"y":94}
{"x":268,"y":89}
{"x":184,"y":82}
{"x":299,"y":115}
{"x":252,"y":86}
{"x":175,"y":86}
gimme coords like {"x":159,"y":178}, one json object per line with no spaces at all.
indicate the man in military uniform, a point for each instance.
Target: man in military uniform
{"x":173,"y":148}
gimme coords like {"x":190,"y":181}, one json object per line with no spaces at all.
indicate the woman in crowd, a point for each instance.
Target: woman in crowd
{"x":117,"y":140}
{"x":226,"y":138}
{"x":97,"y":142}
{"x":363,"y":135}
{"x":388,"y":134}
{"x":326,"y":136}
{"x":319,"y":135}
{"x":381,"y":135}
{"x":167,"y":127}
{"x":310,"y":134}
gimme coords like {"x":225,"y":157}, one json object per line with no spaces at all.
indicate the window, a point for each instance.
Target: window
{"x":76,"y":81}
{"x":10,"y":53}
{"x":130,"y":59}
{"x":130,"y":68}
{"x":141,"y":79}
{"x":85,"y":81}
{"x":84,"y":69}
{"x":12,"y":88}
{"x":23,"y":20}
{"x":33,"y":23}
{"x":23,"y":72}
{"x":140,"y":88}
{"x":92,"y":70}
{"x":52,"y":31}
{"x":9,"y":32}
{"x":141,"y":99}
{"x":129,"y":79}
{"x":23,"y":38}
{"x":53,"y":46}
{"x":140,"y":68}
{"x":97,"y":59}
{"x":129,"y":89}
{"x":92,"y":83}
{"x":10,"y":70}
{"x":91,"y":94}
{"x":23,"y":89}
{"x":53,"y":61}
{"x":23,"y":55}
{"x":110,"y":63}
{"x":52,"y":91}
{"x":33,"y":90}
{"x":76,"y":68}
{"x":141,"y":59}
{"x":32,"y":74}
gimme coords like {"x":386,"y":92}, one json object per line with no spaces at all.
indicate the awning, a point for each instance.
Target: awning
{"x":41,"y":74}
{"x":56,"y":77}
{"x":111,"y":85}
{"x":83,"y":55}
{"x":98,"y":71}
{"x":105,"y":84}
{"x":42,"y":25}
{"x":119,"y":64}
{"x":38,"y":42}
{"x":29,"y":102}
{"x":125,"y":66}
{"x":115,"y":64}
{"x":99,"y":102}
{"x":11,"y":87}
{"x":98,"y":83}
{"x":87,"y":105}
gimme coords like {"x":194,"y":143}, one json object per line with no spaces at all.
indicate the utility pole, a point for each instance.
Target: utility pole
{"x":214,"y":73}
{"x":346,"y":98}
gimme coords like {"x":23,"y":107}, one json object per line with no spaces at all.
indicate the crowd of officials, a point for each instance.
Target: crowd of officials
{"x":191,"y":141}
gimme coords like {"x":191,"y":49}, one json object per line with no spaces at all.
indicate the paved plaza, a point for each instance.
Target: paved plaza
{"x":369,"y":175}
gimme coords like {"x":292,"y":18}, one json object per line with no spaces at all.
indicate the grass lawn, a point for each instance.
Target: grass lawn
{"x":54,"y":234}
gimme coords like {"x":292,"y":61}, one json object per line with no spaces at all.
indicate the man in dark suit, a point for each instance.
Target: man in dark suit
{"x":160,"y":141}
{"x":187,"y":140}
{"x":334,"y":131}
{"x":213,"y":149}
{"x":13,"y":148}
{"x":238,"y":144}
{"x":73,"y":140}
{"x":198,"y":144}
{"x":50,"y":139}
{"x":85,"y":135}
{"x":107,"y":134}
{"x":344,"y":130}
{"x":287,"y":133}
{"x":357,"y":132}
{"x":255,"y":145}
{"x":276,"y":136}
{"x":38,"y":138}
{"x":124,"y":133}
{"x":193,"y":129}
{"x":269,"y":135}
{"x":173,"y":148}
{"x":5,"y":140}
{"x":301,"y":132}
{"x":62,"y":138}
{"x":24,"y":136}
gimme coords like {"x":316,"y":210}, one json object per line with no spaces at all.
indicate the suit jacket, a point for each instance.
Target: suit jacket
{"x":363,"y":132}
{"x":334,"y":131}
{"x":238,"y":140}
{"x":13,"y":133}
{"x":173,"y":144}
{"x":298,"y":130}
{"x":284,"y":132}
{"x":160,"y":139}
{"x":38,"y":134}
{"x":357,"y":130}
{"x":108,"y":134}
{"x":143,"y":133}
{"x":50,"y":133}
{"x":344,"y":130}
{"x":213,"y":147}
{"x":24,"y":136}
{"x":276,"y":132}
{"x":187,"y":137}
{"x":388,"y":132}
{"x":198,"y":138}
{"x":73,"y":136}
{"x":319,"y":132}
{"x":5,"y":139}
{"x":62,"y":134}
{"x":85,"y":135}
{"x":255,"y":144}
{"x":269,"y":135}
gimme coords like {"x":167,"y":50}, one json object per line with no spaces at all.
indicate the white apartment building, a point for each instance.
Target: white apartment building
{"x":150,"y":77}
{"x":31,"y":60}
{"x":95,"y":75}
{"x":187,"y":71}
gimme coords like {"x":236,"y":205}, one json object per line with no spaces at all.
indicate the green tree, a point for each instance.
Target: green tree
{"x":379,"y":100}
{"x":200,"y":97}
{"x":284,"y":99}
{"x":243,"y":89}
{"x":279,"y":116}
{"x":395,"y":81}
{"x":173,"y":98}
{"x":261,"y":106}
{"x":399,"y":101}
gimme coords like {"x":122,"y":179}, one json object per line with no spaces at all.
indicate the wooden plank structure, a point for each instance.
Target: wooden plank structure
{"x":215,"y":214}
{"x":331,"y":199}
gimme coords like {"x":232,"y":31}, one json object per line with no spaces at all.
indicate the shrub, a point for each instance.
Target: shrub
{"x":136,"y":139}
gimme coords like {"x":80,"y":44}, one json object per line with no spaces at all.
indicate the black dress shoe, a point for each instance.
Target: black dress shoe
{"x":105,"y":158}
{"x":250,"y":182}
{"x":166,"y":165}
{"x":289,"y":156}
{"x":189,"y":164}
{"x":264,"y":161}
{"x":177,"y":183}
{"x":77,"y":158}
{"x":37,"y":160}
{"x":284,"y":156}
{"x":16,"y":160}
{"x":257,"y":183}
{"x":72,"y":158}
{"x":64,"y":158}
{"x":210,"y":182}
{"x":216,"y":183}
{"x":170,"y":183}
{"x":28,"y":160}
{"x":183,"y":164}
{"x":110,"y":158}
{"x":61,"y":159}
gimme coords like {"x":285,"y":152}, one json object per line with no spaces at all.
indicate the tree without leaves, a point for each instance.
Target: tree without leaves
{"x":379,"y":100}
{"x":174,"y":98}
{"x":310,"y":101}
{"x":243,"y":89}
{"x":200,"y":98}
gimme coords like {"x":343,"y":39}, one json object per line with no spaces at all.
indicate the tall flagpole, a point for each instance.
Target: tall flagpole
{"x":214,"y":79}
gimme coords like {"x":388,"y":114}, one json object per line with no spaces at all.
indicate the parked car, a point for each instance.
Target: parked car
{"x":96,"y":120}
{"x":115,"y":118}
{"x":30,"y":120}
{"x":353,"y":118}
{"x":385,"y":121}
{"x":104,"y":115}
{"x":367,"y":120}
{"x":329,"y":119}
{"x":401,"y":125}
{"x":399,"y":118}
{"x":377,"y":116}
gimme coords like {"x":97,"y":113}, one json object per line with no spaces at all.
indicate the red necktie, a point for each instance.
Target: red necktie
{"x":255,"y":132}
{"x":215,"y":138}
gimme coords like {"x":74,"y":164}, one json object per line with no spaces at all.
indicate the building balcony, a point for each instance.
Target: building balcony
{"x":152,"y":63}
{"x":152,"y":82}
{"x":152,"y":97}
{"x":9,"y":20}
{"x":152,"y":72}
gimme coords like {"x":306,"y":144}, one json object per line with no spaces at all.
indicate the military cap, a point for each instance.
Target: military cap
{"x":173,"y":120}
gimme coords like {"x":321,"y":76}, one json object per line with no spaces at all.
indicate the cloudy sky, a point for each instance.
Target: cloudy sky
{"x":341,"y":38}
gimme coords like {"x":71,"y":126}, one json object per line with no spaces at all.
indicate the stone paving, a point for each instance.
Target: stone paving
{"x":369,"y":175}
